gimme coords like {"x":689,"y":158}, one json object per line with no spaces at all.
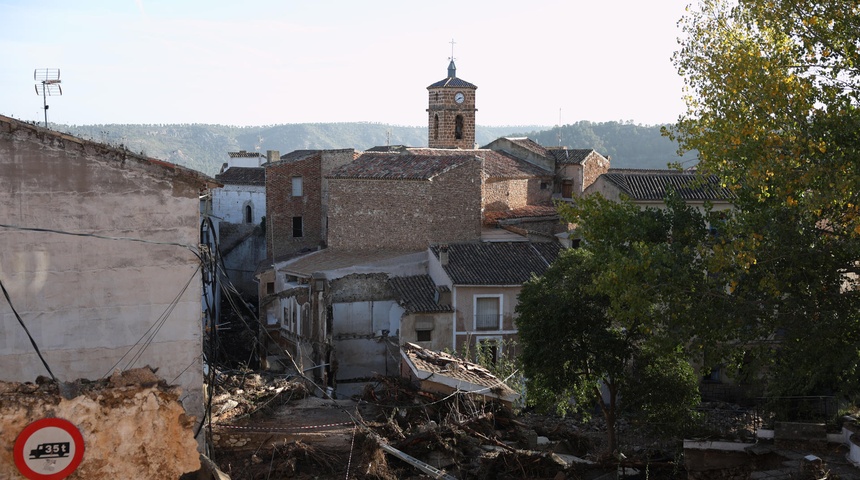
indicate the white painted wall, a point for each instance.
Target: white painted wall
{"x":228,"y":202}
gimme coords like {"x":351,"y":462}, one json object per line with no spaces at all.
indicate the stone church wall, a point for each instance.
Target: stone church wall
{"x":406,"y":214}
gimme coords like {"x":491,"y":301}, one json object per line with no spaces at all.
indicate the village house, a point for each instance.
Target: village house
{"x":648,"y":188}
{"x":100,"y":261}
{"x":379,"y":219}
{"x":238,"y":212}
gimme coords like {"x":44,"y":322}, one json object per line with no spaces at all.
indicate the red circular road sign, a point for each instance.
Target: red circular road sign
{"x":49,"y":449}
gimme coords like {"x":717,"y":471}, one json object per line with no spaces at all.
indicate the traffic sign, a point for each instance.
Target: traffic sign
{"x":49,"y":449}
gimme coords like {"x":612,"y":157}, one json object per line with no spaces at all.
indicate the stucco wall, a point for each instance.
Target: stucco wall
{"x":91,"y":303}
{"x":441,"y":337}
{"x":406,"y":214}
{"x":465,"y":303}
{"x":228,"y":202}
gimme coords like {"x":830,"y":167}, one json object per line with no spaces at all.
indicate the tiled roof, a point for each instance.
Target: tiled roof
{"x":242,"y":176}
{"x":417,"y":294}
{"x":529,"y":145}
{"x":570,"y":155}
{"x":527,"y":211}
{"x":388,"y":148}
{"x":500,"y":165}
{"x":403,"y":166}
{"x":244,"y":154}
{"x":654,"y":184}
{"x":334,"y":259}
{"x":446,"y":365}
{"x":497,"y":263}
{"x":452,"y":82}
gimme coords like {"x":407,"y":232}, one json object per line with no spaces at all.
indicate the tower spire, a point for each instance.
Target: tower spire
{"x":452,"y":69}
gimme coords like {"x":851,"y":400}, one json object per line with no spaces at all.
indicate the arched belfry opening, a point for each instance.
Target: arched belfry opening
{"x":451,"y":112}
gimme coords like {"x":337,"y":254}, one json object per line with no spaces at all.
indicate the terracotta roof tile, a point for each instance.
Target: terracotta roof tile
{"x":417,"y":294}
{"x":242,"y":176}
{"x":654,"y":184}
{"x":570,"y":155}
{"x":401,"y":166}
{"x":500,"y":165}
{"x":529,"y":145}
{"x":452,"y":82}
{"x":444,"y":364}
{"x":497,"y":263}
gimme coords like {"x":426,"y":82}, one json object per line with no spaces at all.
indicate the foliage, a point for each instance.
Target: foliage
{"x":662,"y":391}
{"x":772,"y":110}
{"x":502,"y":363}
{"x":623,"y":298}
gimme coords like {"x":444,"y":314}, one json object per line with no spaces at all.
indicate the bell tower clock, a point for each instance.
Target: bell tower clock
{"x":451,"y":112}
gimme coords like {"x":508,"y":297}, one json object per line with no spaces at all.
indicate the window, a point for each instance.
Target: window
{"x":544,"y":185}
{"x":567,"y":189}
{"x":297,"y":186}
{"x":270,"y":288}
{"x":488,"y":312}
{"x":298,"y":231}
{"x":249,"y":214}
{"x":458,"y":127}
{"x":436,"y":127}
{"x":424,"y":328}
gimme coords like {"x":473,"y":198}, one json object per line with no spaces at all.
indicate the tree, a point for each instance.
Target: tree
{"x":598,"y":309}
{"x":772,"y":108}
{"x":570,"y":347}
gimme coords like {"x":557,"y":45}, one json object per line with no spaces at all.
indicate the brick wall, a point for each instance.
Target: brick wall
{"x":406,"y":214}
{"x":442,"y":105}
{"x":282,"y":206}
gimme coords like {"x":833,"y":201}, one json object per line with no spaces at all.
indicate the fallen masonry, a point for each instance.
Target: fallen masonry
{"x":132,"y":424}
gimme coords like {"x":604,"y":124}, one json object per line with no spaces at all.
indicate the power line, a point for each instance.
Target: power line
{"x":32,"y":341}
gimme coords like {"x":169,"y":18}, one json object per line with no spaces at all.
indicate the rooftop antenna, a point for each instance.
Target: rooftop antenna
{"x":50,"y":80}
{"x":558,"y":133}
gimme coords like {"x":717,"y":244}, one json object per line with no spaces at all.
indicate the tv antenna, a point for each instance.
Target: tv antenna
{"x":50,"y":80}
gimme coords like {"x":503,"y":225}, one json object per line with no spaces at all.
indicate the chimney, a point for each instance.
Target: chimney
{"x":273,"y":155}
{"x":443,"y":255}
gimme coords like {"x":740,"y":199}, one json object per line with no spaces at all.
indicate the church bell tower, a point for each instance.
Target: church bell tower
{"x":451,"y":112}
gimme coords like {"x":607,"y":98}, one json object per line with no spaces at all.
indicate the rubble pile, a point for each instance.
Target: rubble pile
{"x":465,"y":436}
{"x":242,"y":393}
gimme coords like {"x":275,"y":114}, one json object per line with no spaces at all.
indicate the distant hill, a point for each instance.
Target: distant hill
{"x":204,"y":147}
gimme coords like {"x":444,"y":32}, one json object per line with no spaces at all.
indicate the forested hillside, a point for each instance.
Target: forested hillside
{"x":204,"y":147}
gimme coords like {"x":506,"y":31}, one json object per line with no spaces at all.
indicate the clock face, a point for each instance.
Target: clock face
{"x":459,"y":97}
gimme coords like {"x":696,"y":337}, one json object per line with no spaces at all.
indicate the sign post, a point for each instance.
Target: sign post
{"x":49,"y":449}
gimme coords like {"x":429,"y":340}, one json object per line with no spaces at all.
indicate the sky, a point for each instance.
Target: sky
{"x":260,"y":62}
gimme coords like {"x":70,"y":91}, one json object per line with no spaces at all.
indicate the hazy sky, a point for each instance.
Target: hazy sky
{"x":272,"y":62}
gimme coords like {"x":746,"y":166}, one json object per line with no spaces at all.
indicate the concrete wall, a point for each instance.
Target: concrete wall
{"x":406,"y":214}
{"x":88,"y":301}
{"x":441,"y":337}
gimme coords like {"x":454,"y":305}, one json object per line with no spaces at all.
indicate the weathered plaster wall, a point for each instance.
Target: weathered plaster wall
{"x":243,"y":247}
{"x":465,"y":302}
{"x":441,"y":337}
{"x":228,"y":202}
{"x":133,"y":425}
{"x":89,"y":301}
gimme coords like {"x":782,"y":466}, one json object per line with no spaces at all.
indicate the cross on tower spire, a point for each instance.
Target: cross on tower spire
{"x":452,"y":69}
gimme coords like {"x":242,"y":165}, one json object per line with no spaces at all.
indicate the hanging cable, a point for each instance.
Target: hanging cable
{"x":32,"y":341}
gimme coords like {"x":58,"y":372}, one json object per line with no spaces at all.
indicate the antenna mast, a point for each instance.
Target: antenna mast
{"x":50,"y":80}
{"x":558,"y":134}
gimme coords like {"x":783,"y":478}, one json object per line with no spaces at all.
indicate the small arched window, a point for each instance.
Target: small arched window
{"x":249,"y":214}
{"x":436,"y":127}
{"x":458,"y":127}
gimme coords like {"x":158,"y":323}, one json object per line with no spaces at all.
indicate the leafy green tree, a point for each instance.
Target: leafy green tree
{"x":599,"y":309}
{"x":772,"y":97}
